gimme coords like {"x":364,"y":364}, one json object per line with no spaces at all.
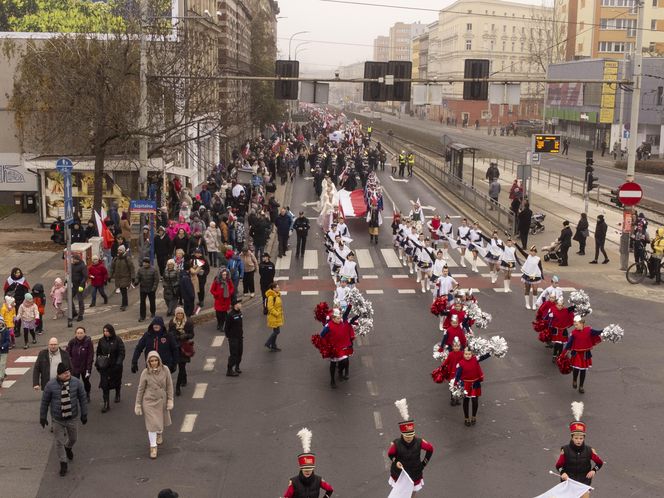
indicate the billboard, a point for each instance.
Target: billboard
{"x":565,"y":95}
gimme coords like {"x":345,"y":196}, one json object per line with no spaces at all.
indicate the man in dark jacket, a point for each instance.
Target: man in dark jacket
{"x":79,"y":276}
{"x":65,"y":397}
{"x":492,"y":173}
{"x":600,"y":237}
{"x":301,"y":227}
{"x":158,"y":339}
{"x":47,"y":363}
{"x":266,"y":272}
{"x":565,"y":240}
{"x":523,"y":223}
{"x":260,"y":234}
{"x":81,"y":352}
{"x":163,"y":249}
{"x":234,"y":334}
{"x":147,"y":280}
{"x":283,"y":225}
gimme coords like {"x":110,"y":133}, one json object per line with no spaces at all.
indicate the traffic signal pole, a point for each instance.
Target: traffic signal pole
{"x":632,"y":143}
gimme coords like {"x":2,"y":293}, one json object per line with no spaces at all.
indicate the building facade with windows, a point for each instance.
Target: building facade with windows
{"x":381,"y":49}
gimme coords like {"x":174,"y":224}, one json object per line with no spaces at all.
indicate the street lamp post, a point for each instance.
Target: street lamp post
{"x":297,"y":48}
{"x":290,"y":41}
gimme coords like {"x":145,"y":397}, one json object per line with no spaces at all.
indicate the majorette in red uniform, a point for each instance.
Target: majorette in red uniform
{"x":541,"y":325}
{"x":578,"y":461}
{"x":545,"y":307}
{"x":405,"y":451}
{"x":434,"y":230}
{"x":452,"y":332}
{"x":561,"y":319}
{"x":581,"y":341}
{"x":455,"y":309}
{"x":339,"y":334}
{"x":450,"y":364}
{"x":469,"y":372}
{"x":307,"y":484}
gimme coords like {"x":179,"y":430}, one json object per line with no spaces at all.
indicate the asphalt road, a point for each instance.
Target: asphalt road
{"x":243,"y":441}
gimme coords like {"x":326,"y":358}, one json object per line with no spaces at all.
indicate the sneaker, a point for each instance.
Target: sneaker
{"x":117,"y":291}
{"x":160,"y":438}
{"x":593,"y":262}
{"x":92,"y":305}
{"x":605,"y":261}
{"x":25,"y":347}
{"x":153,"y":452}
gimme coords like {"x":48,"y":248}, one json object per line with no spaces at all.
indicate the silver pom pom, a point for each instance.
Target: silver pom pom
{"x":363,"y":309}
{"x":498,"y":346}
{"x":438,"y":354}
{"x":581,"y":302}
{"x":457,"y":390}
{"x":474,"y":312}
{"x":479,"y":346}
{"x":364,"y":326}
{"x":612,"y":333}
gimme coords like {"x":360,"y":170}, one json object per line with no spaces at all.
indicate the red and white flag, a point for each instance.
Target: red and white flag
{"x":246,"y":150}
{"x":352,"y":204}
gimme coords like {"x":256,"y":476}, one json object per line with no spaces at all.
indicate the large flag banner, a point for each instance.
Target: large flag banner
{"x":566,"y":489}
{"x":403,"y":488}
{"x":352,"y":204}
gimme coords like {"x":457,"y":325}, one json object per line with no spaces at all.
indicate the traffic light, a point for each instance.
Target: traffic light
{"x":286,"y":90}
{"x":476,"y":90}
{"x":614,"y":198}
{"x":374,"y":92}
{"x":590,"y":179}
{"x":399,"y":92}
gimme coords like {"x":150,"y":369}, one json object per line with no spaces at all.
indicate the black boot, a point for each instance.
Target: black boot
{"x":237,"y":369}
{"x":106,"y":406}
{"x":177,"y":390}
{"x":70,"y":453}
{"x":117,"y":395}
{"x":63,"y":469}
{"x":230,"y":372}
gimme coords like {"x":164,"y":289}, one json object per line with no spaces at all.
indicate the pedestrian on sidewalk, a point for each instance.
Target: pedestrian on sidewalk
{"x":188,"y":288}
{"x":39,"y":297}
{"x":27,"y":316}
{"x":16,"y":286}
{"x":582,"y":234}
{"x":565,"y":240}
{"x":222,"y":290}
{"x":5,"y":344}
{"x":163,"y":249}
{"x":494,"y":191}
{"x":600,"y":237}
{"x":65,"y":397}
{"x":147,"y":280}
{"x":122,"y":271}
{"x":8,"y":315}
{"x":266,"y":271}
{"x":171,"y":285}
{"x":565,"y":146}
{"x":79,"y":277}
{"x":57,"y":295}
{"x":125,"y":230}
{"x":492,"y":172}
{"x":235,"y":335}
{"x":81,"y":352}
{"x":657,"y":246}
{"x":183,"y":331}
{"x":98,"y":275}
{"x":523,"y":221}
{"x":154,"y":400}
{"x":212,"y":238}
{"x":282,"y":224}
{"x":235,"y":268}
{"x":275,"y":315}
{"x":110,"y":357}
{"x":250,"y":264}
{"x":157,"y":338}
{"x":603,"y":146}
{"x":47,"y":363}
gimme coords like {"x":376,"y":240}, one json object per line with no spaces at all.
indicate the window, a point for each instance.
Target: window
{"x":654,"y":3}
{"x":469,"y":26}
{"x":521,"y":46}
{"x":504,"y":28}
{"x":512,"y":46}
{"x":653,"y":24}
{"x":513,"y":30}
{"x":660,"y":95}
{"x":503,"y":46}
{"x":492,"y":45}
{"x":493,"y":27}
{"x":579,"y":48}
{"x":469,"y":45}
{"x":616,"y":47}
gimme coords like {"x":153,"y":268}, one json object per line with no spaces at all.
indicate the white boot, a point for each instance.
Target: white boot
{"x":494,"y":277}
{"x":419,"y":276}
{"x":445,"y":255}
{"x":427,"y":281}
{"x":440,"y":325}
{"x":527,"y":299}
{"x":410,"y":268}
{"x":474,"y":265}
{"x":463,"y":260}
{"x":533,"y":299}
{"x":506,"y":285}
{"x":423,"y":285}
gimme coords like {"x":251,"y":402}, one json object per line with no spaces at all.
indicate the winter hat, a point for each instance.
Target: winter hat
{"x":229,"y":254}
{"x":95,"y":259}
{"x":28,"y":296}
{"x":146,"y":259}
{"x":213,"y":224}
{"x":121,"y":249}
{"x":555,"y":278}
{"x":10,"y":300}
{"x":62,"y":368}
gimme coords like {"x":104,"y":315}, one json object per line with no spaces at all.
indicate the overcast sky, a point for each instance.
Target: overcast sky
{"x":355,"y":25}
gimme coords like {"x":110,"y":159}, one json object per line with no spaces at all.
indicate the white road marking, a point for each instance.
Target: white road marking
{"x":499,"y":289}
{"x":25,"y":359}
{"x":406,"y":291}
{"x":364,"y":258}
{"x":374,"y":291}
{"x":199,"y":390}
{"x":378,"y":421}
{"x":16,"y":370}
{"x":365,"y":277}
{"x":310,"y":259}
{"x":309,"y":293}
{"x":281,"y":278}
{"x":209,"y":364}
{"x":391,"y":258}
{"x":398,"y":179}
{"x":400,"y":276}
{"x":188,"y":422}
{"x":283,"y":263}
{"x":8,"y":383}
{"x":568,"y":289}
{"x":218,"y":341}
{"x":310,"y":277}
{"x":283,"y":293}
{"x":371,"y":386}
{"x":367,"y":361}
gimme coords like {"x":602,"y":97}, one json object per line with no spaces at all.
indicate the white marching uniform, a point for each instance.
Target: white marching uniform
{"x":340,"y":295}
{"x":444,"y":286}
{"x":348,"y":270}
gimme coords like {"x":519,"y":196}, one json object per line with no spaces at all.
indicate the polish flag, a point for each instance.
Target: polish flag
{"x":246,"y":150}
{"x":104,"y":232}
{"x":352,"y":204}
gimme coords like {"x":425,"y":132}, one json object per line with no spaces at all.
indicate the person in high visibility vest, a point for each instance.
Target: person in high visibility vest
{"x":370,"y":130}
{"x":402,"y":163}
{"x":411,"y":163}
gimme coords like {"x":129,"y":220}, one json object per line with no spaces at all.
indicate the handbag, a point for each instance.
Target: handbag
{"x":187,"y":349}
{"x":103,"y":361}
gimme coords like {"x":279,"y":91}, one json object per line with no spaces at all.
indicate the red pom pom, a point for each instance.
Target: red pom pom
{"x":325,"y":349}
{"x":539,"y":325}
{"x":439,"y":305}
{"x":544,"y":335}
{"x":321,"y":312}
{"x":564,"y":364}
{"x":437,"y":375}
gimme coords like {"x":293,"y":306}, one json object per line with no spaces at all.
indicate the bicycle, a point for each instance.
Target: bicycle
{"x":637,"y":272}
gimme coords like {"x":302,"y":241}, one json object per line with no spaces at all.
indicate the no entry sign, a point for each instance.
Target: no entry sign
{"x":630,"y":194}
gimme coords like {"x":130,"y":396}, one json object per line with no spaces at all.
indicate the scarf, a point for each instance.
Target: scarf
{"x":179,"y":324}
{"x":224,"y":287}
{"x":194,"y":282}
{"x":65,"y":401}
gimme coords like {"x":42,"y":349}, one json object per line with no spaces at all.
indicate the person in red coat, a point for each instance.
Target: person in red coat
{"x":580,"y":342}
{"x":453,"y":332}
{"x":561,"y":319}
{"x":546,"y":307}
{"x":455,"y":309}
{"x":450,"y":364}
{"x":469,"y":372}
{"x":222,"y":290}
{"x":339,"y":334}
{"x":98,"y":275}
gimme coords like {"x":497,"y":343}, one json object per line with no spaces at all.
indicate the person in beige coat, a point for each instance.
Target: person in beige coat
{"x":154,"y":399}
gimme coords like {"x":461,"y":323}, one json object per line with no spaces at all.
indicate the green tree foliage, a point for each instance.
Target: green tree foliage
{"x":65,"y":16}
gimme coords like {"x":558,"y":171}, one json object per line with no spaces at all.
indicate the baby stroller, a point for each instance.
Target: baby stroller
{"x":552,"y":251}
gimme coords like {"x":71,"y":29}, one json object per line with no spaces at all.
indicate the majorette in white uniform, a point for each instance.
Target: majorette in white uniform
{"x":463,"y":233}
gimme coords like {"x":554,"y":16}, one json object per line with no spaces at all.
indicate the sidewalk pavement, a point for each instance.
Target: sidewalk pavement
{"x":18,"y":235}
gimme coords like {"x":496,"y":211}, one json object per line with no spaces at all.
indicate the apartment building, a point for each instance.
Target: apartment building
{"x":607,"y":28}
{"x":381,"y":49}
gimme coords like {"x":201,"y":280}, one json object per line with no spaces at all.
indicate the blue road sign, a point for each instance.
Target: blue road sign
{"x":144,"y":206}
{"x":65,"y":166}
